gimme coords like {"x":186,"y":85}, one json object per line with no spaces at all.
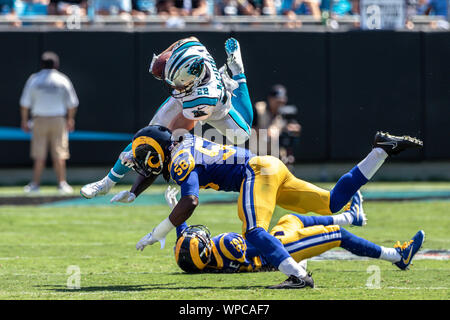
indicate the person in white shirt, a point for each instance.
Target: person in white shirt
{"x":50,"y":99}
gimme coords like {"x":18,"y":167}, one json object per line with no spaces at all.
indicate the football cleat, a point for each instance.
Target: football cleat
{"x":98,"y":188}
{"x":395,"y":144}
{"x":409,"y":249}
{"x":356,"y":210}
{"x":294,"y":282}
{"x":234,"y":57}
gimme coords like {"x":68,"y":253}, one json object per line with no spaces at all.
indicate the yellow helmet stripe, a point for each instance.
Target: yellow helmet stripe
{"x":217,"y":255}
{"x":193,"y":248}
{"x":177,"y":248}
{"x":150,"y":141}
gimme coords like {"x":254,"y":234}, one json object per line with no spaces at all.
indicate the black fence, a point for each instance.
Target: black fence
{"x":347,"y":85}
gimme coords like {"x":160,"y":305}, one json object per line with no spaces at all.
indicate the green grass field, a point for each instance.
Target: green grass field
{"x":39,"y":244}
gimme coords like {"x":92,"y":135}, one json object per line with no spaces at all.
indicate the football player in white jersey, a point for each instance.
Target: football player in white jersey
{"x":199,"y":92}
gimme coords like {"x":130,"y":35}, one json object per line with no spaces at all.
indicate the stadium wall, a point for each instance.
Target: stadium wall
{"x":347,"y":85}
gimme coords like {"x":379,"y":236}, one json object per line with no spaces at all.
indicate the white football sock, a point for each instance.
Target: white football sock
{"x":290,"y":267}
{"x":343,"y":219}
{"x":370,"y":164}
{"x":389,"y":254}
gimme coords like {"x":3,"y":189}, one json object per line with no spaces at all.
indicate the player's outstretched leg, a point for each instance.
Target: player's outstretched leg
{"x":241,"y":97}
{"x":400,"y":255}
{"x":104,"y":185}
{"x":354,"y":215}
{"x":306,"y":236}
{"x":301,"y":196}
{"x":384,"y":145}
{"x":393,"y":145}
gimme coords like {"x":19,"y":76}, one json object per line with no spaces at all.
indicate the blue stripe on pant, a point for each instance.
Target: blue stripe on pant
{"x":313,"y":241}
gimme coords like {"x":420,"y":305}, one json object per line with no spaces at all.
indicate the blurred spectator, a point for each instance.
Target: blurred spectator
{"x":269,"y":7}
{"x":235,"y":7}
{"x":6,"y":6}
{"x":337,"y":7}
{"x":193,"y":8}
{"x":433,"y":7}
{"x":51,"y":99}
{"x":301,"y":7}
{"x":7,"y":10}
{"x":31,"y":7}
{"x":283,"y":130}
{"x":66,"y":7}
{"x":143,"y":7}
{"x":112,"y":7}
{"x":166,"y":8}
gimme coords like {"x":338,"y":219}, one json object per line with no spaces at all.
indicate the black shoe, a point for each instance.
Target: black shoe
{"x":394,"y":144}
{"x":294,"y":282}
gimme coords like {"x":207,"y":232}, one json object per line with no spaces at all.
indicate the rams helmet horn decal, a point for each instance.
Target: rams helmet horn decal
{"x":151,"y":148}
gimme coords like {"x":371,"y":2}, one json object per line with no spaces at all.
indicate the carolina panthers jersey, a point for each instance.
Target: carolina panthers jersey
{"x":210,"y":100}
{"x":201,"y":164}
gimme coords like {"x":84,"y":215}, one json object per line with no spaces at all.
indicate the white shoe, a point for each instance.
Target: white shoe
{"x":64,"y":188}
{"x":94,"y":189}
{"x":31,"y":188}
{"x":356,"y":210}
{"x":234,"y":60}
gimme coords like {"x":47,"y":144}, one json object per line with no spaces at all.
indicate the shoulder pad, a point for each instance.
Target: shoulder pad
{"x":233,"y":246}
{"x":181,"y":165}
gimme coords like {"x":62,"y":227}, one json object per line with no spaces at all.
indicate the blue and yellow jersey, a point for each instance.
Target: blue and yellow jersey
{"x":201,"y":164}
{"x":232,"y":253}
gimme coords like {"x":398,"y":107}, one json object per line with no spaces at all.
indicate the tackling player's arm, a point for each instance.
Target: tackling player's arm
{"x":184,"y":173}
{"x":142,"y":183}
{"x":189,"y":200}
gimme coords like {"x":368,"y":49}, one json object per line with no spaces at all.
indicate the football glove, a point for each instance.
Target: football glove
{"x":124,"y":197}
{"x":158,"y":234}
{"x":149,"y":239}
{"x":126,"y":158}
{"x":171,"y":197}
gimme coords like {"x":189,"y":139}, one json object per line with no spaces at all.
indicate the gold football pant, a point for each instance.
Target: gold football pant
{"x":268,"y":183}
{"x":303,"y":243}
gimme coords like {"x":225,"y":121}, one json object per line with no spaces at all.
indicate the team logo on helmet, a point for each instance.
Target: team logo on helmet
{"x":193,"y":250}
{"x":151,"y":150}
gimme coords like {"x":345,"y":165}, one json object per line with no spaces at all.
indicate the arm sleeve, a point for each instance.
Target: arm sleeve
{"x":190,"y":186}
{"x":180,"y":228}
